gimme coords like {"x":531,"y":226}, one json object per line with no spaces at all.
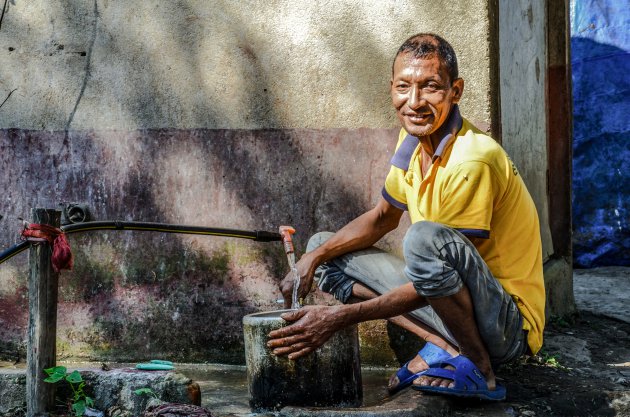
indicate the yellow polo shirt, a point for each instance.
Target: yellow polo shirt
{"x":473,"y":186}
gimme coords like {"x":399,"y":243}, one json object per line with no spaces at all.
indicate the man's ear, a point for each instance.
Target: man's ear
{"x":458,"y":89}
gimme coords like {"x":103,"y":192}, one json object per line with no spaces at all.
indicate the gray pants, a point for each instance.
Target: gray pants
{"x":439,"y":261}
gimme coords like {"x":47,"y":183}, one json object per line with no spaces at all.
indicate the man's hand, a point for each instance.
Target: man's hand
{"x":306,"y":269}
{"x":312,"y":327}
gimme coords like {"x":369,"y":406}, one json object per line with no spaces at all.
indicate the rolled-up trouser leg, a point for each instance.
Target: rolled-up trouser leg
{"x":376,"y":269}
{"x":440,"y":261}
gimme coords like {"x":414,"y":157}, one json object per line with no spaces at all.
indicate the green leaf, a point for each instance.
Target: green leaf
{"x":56,"y":370}
{"x":74,"y":377}
{"x":54,"y":378}
{"x":89,"y":401}
{"x":79,"y":408}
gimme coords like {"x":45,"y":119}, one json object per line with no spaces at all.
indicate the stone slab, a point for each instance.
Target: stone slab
{"x":113,"y":391}
{"x":571,"y":348}
{"x":603,"y":291}
{"x":12,"y":393}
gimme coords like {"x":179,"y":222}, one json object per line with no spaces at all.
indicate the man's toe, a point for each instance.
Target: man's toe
{"x":423,"y":380}
{"x":445,"y":383}
{"x":393,"y":382}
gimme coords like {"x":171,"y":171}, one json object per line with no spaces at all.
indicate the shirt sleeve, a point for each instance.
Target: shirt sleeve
{"x":393,"y":191}
{"x":468,"y":197}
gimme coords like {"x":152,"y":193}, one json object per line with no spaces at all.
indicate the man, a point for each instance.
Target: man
{"x":471,"y":283}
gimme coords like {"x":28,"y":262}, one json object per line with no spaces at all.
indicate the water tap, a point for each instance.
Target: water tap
{"x":286,"y":232}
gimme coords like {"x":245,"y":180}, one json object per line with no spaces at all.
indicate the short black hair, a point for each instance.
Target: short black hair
{"x":429,"y":45}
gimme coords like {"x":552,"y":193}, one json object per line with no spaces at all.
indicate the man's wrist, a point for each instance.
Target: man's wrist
{"x":315,"y":258}
{"x":347,"y":314}
{"x":313,"y":261}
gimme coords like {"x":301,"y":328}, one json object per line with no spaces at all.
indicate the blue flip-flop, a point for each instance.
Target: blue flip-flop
{"x":431,"y":354}
{"x":469,"y":382}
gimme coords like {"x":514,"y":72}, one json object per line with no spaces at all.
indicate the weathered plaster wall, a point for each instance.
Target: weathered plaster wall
{"x":246,"y":114}
{"x":134,"y":294}
{"x":222,"y":64}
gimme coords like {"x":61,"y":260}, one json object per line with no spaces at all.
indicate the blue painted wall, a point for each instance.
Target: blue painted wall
{"x":600,"y":59}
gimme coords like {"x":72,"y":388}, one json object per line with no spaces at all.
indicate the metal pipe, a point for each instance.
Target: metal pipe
{"x":255,"y":235}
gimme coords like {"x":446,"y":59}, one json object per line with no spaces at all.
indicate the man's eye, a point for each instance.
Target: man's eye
{"x":431,"y":88}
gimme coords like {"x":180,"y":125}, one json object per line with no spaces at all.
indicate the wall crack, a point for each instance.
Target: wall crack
{"x":5,"y":100}
{"x":88,"y":70}
{"x":4,"y":8}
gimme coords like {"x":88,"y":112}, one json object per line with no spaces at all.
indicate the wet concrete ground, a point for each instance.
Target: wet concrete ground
{"x":583,"y":369}
{"x":224,"y":388}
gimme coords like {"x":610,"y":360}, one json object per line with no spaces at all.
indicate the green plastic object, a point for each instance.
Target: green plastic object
{"x":161,"y":362}
{"x":154,"y":367}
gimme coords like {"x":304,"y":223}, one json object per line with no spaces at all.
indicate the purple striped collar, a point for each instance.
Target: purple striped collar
{"x":402,"y":157}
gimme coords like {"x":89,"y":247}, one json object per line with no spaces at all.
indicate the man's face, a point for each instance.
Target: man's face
{"x":422,"y":93}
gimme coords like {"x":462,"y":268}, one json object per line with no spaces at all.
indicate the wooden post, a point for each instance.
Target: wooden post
{"x":42,"y":320}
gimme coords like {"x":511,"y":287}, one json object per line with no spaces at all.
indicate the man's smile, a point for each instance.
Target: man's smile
{"x":419,"y":118}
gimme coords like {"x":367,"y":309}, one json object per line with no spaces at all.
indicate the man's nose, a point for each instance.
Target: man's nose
{"x":416,"y":99}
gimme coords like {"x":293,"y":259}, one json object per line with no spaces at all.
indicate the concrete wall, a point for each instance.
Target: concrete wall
{"x":524,"y":31}
{"x":247,"y":114}
{"x":222,"y":64}
{"x":523,"y":63}
{"x":173,"y":295}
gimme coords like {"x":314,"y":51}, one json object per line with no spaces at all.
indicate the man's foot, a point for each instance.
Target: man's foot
{"x":426,"y":380}
{"x":429,"y":355}
{"x":460,"y":377}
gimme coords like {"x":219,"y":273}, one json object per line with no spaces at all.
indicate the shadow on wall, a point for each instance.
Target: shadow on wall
{"x":601,"y":196}
{"x":173,"y":296}
{"x":133,"y":295}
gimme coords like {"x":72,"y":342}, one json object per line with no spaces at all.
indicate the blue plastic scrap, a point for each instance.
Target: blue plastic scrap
{"x":600,"y":61}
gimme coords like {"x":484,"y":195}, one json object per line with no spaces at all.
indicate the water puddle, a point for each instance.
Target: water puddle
{"x":224,"y":387}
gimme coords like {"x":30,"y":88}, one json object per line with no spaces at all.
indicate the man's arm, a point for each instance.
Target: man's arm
{"x":315,"y":324}
{"x":360,"y":233}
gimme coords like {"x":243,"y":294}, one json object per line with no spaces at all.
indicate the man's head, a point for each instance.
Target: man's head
{"x":429,"y":45}
{"x":425,"y":83}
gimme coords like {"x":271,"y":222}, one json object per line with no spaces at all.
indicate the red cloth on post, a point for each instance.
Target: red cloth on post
{"x":62,"y":257}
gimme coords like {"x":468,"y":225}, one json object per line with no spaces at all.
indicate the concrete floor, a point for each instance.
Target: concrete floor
{"x":604,"y":291}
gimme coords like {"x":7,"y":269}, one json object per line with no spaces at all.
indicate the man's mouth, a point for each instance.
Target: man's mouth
{"x":419,"y":118}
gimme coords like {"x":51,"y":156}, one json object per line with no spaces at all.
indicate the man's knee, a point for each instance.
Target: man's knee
{"x":426,"y":266}
{"x":425,"y":237}
{"x":317,"y":240}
